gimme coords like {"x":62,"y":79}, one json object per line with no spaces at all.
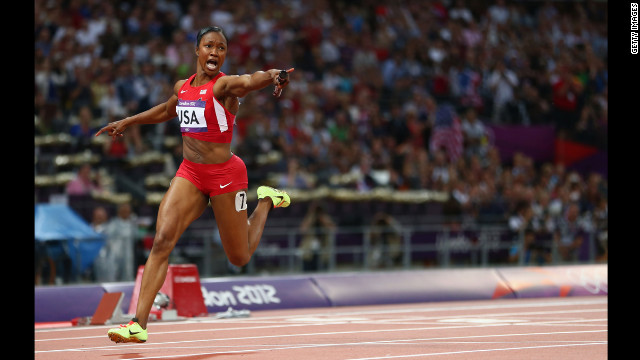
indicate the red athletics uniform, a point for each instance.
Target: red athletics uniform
{"x":203,"y":117}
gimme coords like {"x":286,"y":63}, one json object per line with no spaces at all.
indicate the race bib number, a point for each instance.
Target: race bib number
{"x":191,"y":115}
{"x":241,"y":201}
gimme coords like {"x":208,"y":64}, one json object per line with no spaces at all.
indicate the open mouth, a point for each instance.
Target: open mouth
{"x":212,"y":64}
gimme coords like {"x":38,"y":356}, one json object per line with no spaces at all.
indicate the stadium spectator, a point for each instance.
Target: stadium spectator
{"x":99,"y":222}
{"x":570,"y":233}
{"x":541,"y":213}
{"x":476,"y":141}
{"x":498,"y":12}
{"x":99,"y":219}
{"x":589,"y":123}
{"x":460,"y":10}
{"x":295,"y":177}
{"x":317,"y":229}
{"x":124,"y":82}
{"x":466,"y":82}
{"x":83,"y":130}
{"x":386,"y":242}
{"x":121,"y":236}
{"x":502,"y":81}
{"x":79,"y":88}
{"x":600,"y":218}
{"x":520,"y":220}
{"x":84,"y":183}
{"x":529,"y":251}
{"x":441,"y":170}
{"x":567,"y":91}
{"x":50,"y":82}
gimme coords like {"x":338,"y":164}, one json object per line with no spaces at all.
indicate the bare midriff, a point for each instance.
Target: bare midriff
{"x":203,"y":152}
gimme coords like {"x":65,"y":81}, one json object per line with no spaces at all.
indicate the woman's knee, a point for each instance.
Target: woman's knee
{"x":163,"y":244}
{"x":238,"y":258}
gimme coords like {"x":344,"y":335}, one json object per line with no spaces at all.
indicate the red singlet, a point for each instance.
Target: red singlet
{"x":201,"y":115}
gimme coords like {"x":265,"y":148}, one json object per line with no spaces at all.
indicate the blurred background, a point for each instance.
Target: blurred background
{"x":413,"y":135}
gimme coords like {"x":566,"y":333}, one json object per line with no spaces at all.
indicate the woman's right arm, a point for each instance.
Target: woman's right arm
{"x":157,"y":114}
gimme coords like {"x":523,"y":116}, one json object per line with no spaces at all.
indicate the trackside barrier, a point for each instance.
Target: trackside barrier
{"x":409,"y":286}
{"x":63,"y":303}
{"x":262,"y":293}
{"x":556,"y":281}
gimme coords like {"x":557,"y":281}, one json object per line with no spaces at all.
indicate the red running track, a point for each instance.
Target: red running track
{"x":542,"y":328}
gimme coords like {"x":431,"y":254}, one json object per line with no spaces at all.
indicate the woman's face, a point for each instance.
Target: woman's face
{"x":212,"y":52}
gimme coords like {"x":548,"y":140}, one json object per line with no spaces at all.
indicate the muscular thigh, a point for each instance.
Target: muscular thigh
{"x":230,"y":210}
{"x":181,"y":205}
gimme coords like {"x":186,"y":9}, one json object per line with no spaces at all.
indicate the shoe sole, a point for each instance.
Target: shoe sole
{"x":117,"y":338}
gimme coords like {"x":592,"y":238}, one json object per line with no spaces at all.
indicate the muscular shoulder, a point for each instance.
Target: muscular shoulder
{"x":221,"y":87}
{"x":223,"y":91}
{"x":178,"y":85}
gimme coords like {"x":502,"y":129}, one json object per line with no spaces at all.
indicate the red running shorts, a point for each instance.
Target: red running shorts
{"x":216,"y":179}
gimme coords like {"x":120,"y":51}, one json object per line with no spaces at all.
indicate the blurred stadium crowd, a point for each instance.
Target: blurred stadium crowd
{"x":384,"y":94}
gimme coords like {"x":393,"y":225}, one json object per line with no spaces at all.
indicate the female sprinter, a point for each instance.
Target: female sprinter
{"x":206,"y":105}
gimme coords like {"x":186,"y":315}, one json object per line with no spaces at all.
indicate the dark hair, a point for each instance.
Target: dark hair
{"x":209,"y":29}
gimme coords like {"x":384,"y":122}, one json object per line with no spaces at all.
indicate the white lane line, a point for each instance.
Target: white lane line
{"x":500,"y":304}
{"x":292,"y":324}
{"x":469,"y":351}
{"x":386,"y":357}
{"x":567,"y":322}
{"x":174,"y":356}
{"x":151,"y":346}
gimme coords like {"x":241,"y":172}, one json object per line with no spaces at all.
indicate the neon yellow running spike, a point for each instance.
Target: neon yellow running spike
{"x":279,"y":197}
{"x":132,"y":332}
